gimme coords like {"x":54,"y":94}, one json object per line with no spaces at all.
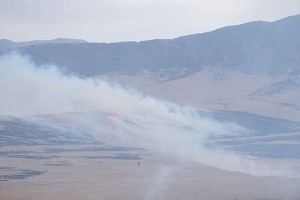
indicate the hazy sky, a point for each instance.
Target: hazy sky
{"x":124,"y":20}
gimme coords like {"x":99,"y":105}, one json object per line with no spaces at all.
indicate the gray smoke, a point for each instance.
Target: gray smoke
{"x":29,"y":90}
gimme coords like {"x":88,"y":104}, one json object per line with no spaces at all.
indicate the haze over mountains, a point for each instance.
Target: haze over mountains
{"x":252,"y":67}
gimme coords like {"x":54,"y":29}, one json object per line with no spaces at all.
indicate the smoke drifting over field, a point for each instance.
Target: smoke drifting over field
{"x":28,"y":90}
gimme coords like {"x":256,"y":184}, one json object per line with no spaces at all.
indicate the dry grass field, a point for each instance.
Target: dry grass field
{"x":113,"y":174}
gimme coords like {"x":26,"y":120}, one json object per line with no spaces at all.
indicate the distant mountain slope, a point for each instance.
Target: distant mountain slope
{"x":7,"y":44}
{"x":252,"y":67}
{"x":255,"y":47}
{"x":215,"y":88}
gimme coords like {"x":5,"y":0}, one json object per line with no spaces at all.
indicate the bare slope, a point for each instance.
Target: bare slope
{"x":252,"y":67}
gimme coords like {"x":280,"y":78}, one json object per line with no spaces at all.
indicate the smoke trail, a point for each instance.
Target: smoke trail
{"x":160,"y":183}
{"x":27,"y":89}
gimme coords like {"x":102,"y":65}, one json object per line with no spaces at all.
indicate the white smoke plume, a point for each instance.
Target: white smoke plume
{"x":28,"y":90}
{"x":161,"y":182}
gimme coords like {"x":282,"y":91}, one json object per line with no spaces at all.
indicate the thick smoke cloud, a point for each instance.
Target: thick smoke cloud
{"x":30,"y":90}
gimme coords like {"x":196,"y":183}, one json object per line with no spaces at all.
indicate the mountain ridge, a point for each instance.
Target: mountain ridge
{"x":6,"y":44}
{"x":254,"y":47}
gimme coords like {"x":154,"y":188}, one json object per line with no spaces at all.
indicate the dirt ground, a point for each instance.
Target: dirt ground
{"x":88,"y":176}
